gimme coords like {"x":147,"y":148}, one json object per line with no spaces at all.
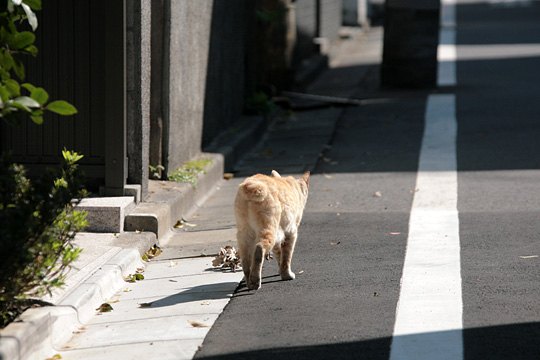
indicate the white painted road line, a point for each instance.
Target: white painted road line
{"x":429,"y":313}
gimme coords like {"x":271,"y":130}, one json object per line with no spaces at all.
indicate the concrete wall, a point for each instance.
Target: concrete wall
{"x":138,"y":26}
{"x":186,"y":52}
{"x":209,"y":64}
{"x":226,"y":67}
{"x":331,"y":17}
{"x":206,"y":55}
{"x":306,"y":30}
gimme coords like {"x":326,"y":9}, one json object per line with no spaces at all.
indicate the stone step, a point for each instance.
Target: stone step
{"x":106,"y":214}
{"x":169,"y":202}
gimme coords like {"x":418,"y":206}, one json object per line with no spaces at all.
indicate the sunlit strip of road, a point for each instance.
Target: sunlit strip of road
{"x":429,"y":313}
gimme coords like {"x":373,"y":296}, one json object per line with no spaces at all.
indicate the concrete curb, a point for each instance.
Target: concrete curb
{"x":169,"y":201}
{"x":39,"y":331}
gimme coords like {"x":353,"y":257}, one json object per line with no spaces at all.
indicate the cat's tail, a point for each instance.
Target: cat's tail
{"x":254,"y":190}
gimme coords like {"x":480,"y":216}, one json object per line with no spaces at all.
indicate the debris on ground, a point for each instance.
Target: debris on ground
{"x":183,"y":223}
{"x":197,"y":324}
{"x":105,"y":307}
{"x":227,"y":258}
{"x":151,"y":253}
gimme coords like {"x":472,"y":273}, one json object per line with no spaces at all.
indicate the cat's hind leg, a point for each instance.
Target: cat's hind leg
{"x":287,"y":249}
{"x":262,"y":248}
{"x":277,"y":253}
{"x":245,"y":239}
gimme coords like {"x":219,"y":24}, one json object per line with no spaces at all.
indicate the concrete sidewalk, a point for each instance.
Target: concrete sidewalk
{"x":168,"y":313}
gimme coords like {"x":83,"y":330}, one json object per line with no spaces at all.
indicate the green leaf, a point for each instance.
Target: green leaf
{"x":71,"y":157}
{"x":18,"y":67}
{"x":27,"y":101}
{"x":40,"y":95}
{"x":34,"y":4}
{"x":22,"y":40}
{"x":60,"y":182}
{"x":8,"y":60}
{"x":13,"y":87}
{"x":61,"y":107}
{"x":38,"y":120}
{"x":32,"y":49}
{"x":32,"y":18}
{"x":28,"y":87}
{"x":18,"y":105}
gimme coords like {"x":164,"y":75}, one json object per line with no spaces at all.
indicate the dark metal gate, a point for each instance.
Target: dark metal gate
{"x":78,"y":43}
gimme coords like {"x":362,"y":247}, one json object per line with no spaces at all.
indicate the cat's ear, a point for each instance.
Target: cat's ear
{"x":305,"y":177}
{"x":275,"y":174}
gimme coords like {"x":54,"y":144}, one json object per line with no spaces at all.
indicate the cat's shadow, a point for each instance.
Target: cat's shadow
{"x":197,"y":293}
{"x":209,"y":292}
{"x":242,"y":289}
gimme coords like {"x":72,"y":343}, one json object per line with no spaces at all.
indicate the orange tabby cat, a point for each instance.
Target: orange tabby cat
{"x":268,"y":212}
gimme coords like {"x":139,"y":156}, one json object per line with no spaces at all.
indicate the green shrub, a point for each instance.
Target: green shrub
{"x":189,"y":172}
{"x":19,"y":99}
{"x":38,"y":223}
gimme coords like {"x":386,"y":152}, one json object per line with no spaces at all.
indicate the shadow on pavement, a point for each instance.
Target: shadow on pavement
{"x":198,"y":293}
{"x":515,"y":341}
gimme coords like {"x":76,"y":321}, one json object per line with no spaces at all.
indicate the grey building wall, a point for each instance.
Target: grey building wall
{"x":331,"y":17}
{"x":186,"y":52}
{"x":306,"y":30}
{"x":138,"y":27}
{"x":226,"y":67}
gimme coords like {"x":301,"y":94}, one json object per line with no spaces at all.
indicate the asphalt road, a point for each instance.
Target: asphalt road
{"x":352,"y":242}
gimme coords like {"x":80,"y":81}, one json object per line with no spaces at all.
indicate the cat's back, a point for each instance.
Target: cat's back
{"x":258,"y":188}
{"x":268,"y":190}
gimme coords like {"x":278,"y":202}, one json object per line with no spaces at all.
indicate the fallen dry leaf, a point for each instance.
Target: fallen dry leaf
{"x":151,"y":253}
{"x":197,"y":324}
{"x":55,"y":357}
{"x":377,"y":194}
{"x":105,"y":307}
{"x":145,"y":305}
{"x":228,"y":176}
{"x":180,"y":224}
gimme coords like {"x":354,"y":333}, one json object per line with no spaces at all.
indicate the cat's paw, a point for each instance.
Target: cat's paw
{"x":254,"y":283}
{"x":288,"y":275}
